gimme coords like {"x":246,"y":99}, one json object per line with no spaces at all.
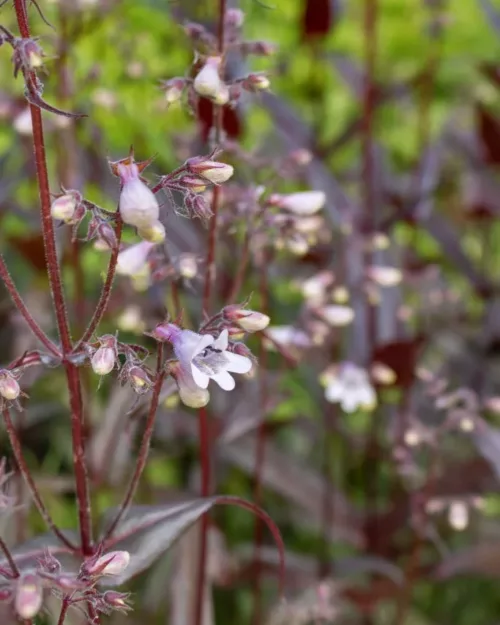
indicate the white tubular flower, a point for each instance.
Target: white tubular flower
{"x":132,"y":260}
{"x":337,"y":315}
{"x":302,"y":204}
{"x":207,"y":82}
{"x":350,"y":387}
{"x":203,"y":358}
{"x":138,"y":205}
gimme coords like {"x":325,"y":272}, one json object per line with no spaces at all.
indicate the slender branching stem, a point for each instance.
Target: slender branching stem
{"x":144,"y":447}
{"x":25,"y":472}
{"x":56,"y":287}
{"x":9,"y":558}
{"x":21,"y":306}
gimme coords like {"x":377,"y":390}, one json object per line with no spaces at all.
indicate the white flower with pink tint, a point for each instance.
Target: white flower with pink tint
{"x":349,"y":386}
{"x":138,"y":204}
{"x":131,"y":261}
{"x":203,"y":358}
{"x":304,"y":203}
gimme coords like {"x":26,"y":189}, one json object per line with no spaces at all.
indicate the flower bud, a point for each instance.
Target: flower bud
{"x":64,"y":207}
{"x":112,"y":563}
{"x":173,"y":89}
{"x":304,"y":203}
{"x":117,"y":600}
{"x":138,"y":204}
{"x":133,"y":259}
{"x":103,"y":361}
{"x":256,"y":82}
{"x":9,"y":386}
{"x":154,"y":233}
{"x":207,"y":82}
{"x":29,"y":596}
{"x":197,"y":206}
{"x":213,"y":171}
{"x":139,"y":379}
{"x":248,"y":320}
{"x":107,"y":234}
{"x":193,"y":183}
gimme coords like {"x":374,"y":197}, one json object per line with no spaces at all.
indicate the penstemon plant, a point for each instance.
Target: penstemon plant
{"x":76,"y":567}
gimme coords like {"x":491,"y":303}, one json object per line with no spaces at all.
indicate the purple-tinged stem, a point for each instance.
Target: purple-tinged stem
{"x":9,"y":558}
{"x":64,"y":609}
{"x":144,"y":448}
{"x":54,"y":274}
{"x":21,"y":306}
{"x":25,"y":472}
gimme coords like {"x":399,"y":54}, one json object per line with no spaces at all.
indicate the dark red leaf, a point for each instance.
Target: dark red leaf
{"x":31,"y":249}
{"x":317,"y":19}
{"x":488,"y":127}
{"x":231,"y":122}
{"x":401,"y":357}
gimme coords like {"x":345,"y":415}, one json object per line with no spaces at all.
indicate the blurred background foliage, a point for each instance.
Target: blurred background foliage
{"x":117,"y":54}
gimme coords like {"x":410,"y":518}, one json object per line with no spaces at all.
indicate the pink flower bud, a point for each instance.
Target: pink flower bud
{"x":103,"y":361}
{"x":112,"y":563}
{"x":207,"y":82}
{"x":197,"y":206}
{"x":305,"y":203}
{"x":9,"y":386}
{"x":29,"y":596}
{"x":107,"y":234}
{"x":248,"y":320}
{"x":64,"y":207}
{"x":132,"y":260}
{"x":117,"y":600}
{"x":193,"y":183}
{"x":138,"y":204}
{"x":212,"y":171}
{"x":154,"y":233}
{"x":139,"y":379}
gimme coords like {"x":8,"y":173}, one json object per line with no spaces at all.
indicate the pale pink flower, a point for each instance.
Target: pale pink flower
{"x":132,"y":260}
{"x":138,"y":204}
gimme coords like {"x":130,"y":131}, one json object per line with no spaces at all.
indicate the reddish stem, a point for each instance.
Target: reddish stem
{"x":144,"y":448}
{"x":9,"y":558}
{"x":25,"y":472}
{"x":53,"y":270}
{"x":210,"y":262}
{"x":21,"y":306}
{"x":64,"y":609}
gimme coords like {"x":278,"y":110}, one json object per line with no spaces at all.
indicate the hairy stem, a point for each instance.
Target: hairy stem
{"x":56,"y":287}
{"x":144,"y":448}
{"x":25,"y":472}
{"x":9,"y":558}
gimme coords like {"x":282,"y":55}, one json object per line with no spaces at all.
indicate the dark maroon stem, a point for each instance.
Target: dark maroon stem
{"x":9,"y":558}
{"x":212,"y":241}
{"x":64,"y":609}
{"x":204,"y":441}
{"x":21,"y":306}
{"x":25,"y":472}
{"x":144,"y":448}
{"x":54,"y":274}
{"x":103,"y":302}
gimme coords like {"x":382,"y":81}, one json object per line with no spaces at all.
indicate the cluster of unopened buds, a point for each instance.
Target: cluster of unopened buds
{"x":208,"y":81}
{"x":138,"y":205}
{"x":26,"y":592}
